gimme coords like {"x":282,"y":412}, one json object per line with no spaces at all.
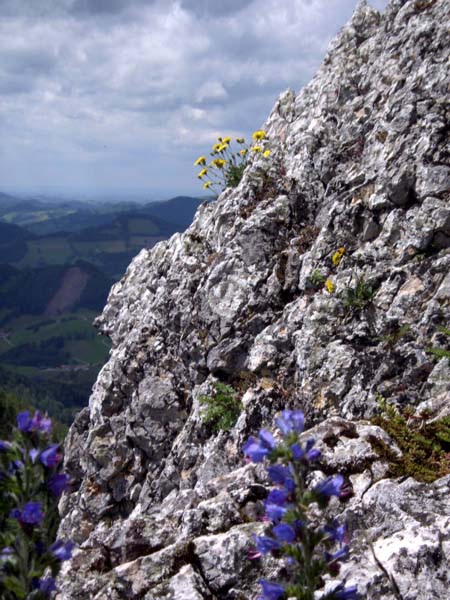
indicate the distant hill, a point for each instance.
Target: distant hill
{"x":13,"y":233}
{"x":13,"y":242}
{"x":59,"y":261}
{"x":179,"y":210}
{"x":117,"y":233}
{"x":53,"y":289}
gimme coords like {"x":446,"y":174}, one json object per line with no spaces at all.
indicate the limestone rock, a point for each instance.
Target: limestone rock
{"x":163,"y":507}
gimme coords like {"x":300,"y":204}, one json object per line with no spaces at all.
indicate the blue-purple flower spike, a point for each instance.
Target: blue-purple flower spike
{"x":30,"y":515}
{"x":291,"y":420}
{"x":310,"y":549}
{"x":62,"y":550}
{"x":58,"y":484}
{"x":51,"y":456}
{"x":265,"y":544}
{"x":281,"y":475}
{"x":331,"y":486}
{"x":257,"y":450}
{"x":24,"y":421}
{"x":284,"y":533}
{"x":270,"y":591}
{"x":350,"y":593}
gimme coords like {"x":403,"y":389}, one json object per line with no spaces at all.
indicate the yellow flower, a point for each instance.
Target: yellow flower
{"x":217,"y":147}
{"x":337,"y":256}
{"x":207,"y":185}
{"x":240,"y":140}
{"x":202,"y":173}
{"x":330,"y":286}
{"x":219,"y":163}
{"x":256,"y":148}
{"x":223,"y":147}
{"x":200,"y":161}
{"x":266,"y":153}
{"x":258,"y":135}
{"x":243,"y":151}
{"x":226,"y":140}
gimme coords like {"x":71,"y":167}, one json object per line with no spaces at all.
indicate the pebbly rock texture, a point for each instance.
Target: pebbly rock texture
{"x":164,"y":508}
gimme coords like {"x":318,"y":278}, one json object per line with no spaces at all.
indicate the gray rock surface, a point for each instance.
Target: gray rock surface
{"x":165,"y":508}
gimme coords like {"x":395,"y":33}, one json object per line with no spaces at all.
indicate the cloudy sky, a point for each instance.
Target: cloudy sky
{"x":119,"y":97}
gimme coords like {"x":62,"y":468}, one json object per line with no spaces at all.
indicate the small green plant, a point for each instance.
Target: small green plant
{"x":425,"y":445}
{"x":317,"y":278}
{"x":393,"y":338}
{"x":222,"y":409}
{"x":227,"y":166}
{"x":358,"y":297}
{"x":441,"y":352}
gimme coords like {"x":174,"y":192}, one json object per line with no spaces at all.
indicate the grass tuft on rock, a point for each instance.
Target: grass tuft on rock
{"x":221,"y":410}
{"x":425,"y":445}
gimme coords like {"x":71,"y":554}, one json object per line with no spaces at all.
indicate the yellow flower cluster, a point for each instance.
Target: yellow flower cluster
{"x":259,"y":135}
{"x":330,"y":286}
{"x":226,"y":169}
{"x":337,"y":256}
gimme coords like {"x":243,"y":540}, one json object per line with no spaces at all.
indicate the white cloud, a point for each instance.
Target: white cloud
{"x":124,"y":93}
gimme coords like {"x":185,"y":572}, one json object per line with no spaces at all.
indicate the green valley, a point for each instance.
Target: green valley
{"x":58,"y":262}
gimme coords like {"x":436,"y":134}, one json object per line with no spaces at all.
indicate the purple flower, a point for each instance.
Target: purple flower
{"x":291,"y":420}
{"x":270,"y":591}
{"x":335,"y":532}
{"x":265,"y":544}
{"x":274,"y":511}
{"x":341,"y":554}
{"x":46,"y":585}
{"x":297,"y":452}
{"x":15,"y":466}
{"x":257,"y":450}
{"x":284,"y":533}
{"x":281,"y":475}
{"x":58,"y":484}
{"x":4,"y":446}
{"x":51,"y":456}
{"x":331,"y":486}
{"x":313,"y":454}
{"x":31,"y":514}
{"x":267,"y":439}
{"x":24,"y":421}
{"x":34,"y":453}
{"x":274,"y":504}
{"x":278,"y":497}
{"x":40,"y":423}
{"x":341,"y":593}
{"x":62,"y":550}
{"x":6,"y":552}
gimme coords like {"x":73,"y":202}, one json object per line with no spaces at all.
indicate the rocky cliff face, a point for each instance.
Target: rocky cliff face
{"x":163,"y":507}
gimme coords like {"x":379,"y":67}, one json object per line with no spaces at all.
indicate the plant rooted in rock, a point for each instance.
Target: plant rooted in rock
{"x":425,"y":445}
{"x":441,"y":352}
{"x":222,"y":409}
{"x":30,"y":486}
{"x":310,"y":545}
{"x":227,"y":165}
{"x":359,"y":296}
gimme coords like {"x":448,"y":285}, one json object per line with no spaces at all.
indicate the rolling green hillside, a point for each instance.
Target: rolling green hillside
{"x":56,"y":272}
